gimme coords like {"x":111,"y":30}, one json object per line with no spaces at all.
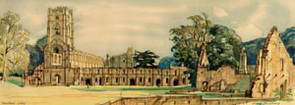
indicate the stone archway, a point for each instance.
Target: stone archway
{"x":100,"y":81}
{"x":283,"y":90}
{"x":175,"y":82}
{"x":57,"y":79}
{"x":88,"y":81}
{"x":158,"y":82}
{"x":184,"y":81}
{"x":38,"y":81}
{"x":205,"y":85}
{"x":132,"y":82}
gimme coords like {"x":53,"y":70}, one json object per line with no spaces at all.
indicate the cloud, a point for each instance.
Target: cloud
{"x":219,"y":12}
{"x":251,"y":28}
{"x":289,"y":4}
{"x":110,"y":26}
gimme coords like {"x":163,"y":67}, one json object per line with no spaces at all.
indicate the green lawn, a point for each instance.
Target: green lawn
{"x":218,"y":95}
{"x":15,"y":81}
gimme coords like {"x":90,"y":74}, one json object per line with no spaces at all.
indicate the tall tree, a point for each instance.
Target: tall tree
{"x":145,"y":59}
{"x":36,"y":53}
{"x":224,"y":48}
{"x":187,"y":41}
{"x":222,"y":44}
{"x":13,"y":38}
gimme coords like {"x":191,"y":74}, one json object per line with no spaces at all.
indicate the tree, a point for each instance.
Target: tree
{"x":224,"y":48}
{"x":13,"y":38}
{"x":36,"y":53}
{"x":222,"y":44}
{"x":165,"y":62}
{"x":145,"y":59}
{"x":188,"y":39}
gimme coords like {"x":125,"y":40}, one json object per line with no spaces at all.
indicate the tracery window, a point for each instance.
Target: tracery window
{"x":57,"y":56}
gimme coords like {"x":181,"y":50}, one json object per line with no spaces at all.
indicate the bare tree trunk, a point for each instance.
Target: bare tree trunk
{"x":4,"y":61}
{"x":4,"y":69}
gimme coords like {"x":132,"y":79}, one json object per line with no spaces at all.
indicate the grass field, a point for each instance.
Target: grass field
{"x":12,"y":93}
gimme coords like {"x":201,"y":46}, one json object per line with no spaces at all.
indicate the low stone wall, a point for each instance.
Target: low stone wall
{"x":179,"y":100}
{"x":157,"y":100}
{"x":227,"y":101}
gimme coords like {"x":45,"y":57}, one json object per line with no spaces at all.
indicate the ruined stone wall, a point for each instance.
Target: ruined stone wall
{"x":217,"y":80}
{"x":132,"y":76}
{"x":178,"y":100}
{"x":65,"y":65}
{"x":111,"y":76}
{"x":274,"y":68}
{"x":123,"y":60}
{"x":85,"y":60}
{"x":158,"y":100}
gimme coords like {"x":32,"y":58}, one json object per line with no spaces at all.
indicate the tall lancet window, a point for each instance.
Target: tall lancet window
{"x":56,"y":57}
{"x":57,"y":29}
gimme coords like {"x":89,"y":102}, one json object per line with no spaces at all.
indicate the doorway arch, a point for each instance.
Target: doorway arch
{"x":158,"y":82}
{"x":175,"y":82}
{"x":88,"y":81}
{"x":132,"y":82}
{"x":100,"y":81}
{"x":57,"y":79}
{"x":283,"y":89}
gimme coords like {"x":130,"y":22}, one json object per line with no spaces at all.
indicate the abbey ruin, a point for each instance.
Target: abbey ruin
{"x":274,"y":71}
{"x":65,"y":65}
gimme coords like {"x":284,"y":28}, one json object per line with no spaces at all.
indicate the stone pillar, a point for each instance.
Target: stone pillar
{"x":243,"y":62}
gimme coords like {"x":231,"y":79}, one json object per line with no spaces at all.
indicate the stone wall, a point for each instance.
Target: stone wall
{"x":122,"y":60}
{"x":65,"y":65}
{"x":111,"y":76}
{"x":274,"y":68}
{"x":217,"y":80}
{"x":157,"y":100}
{"x":178,"y":100}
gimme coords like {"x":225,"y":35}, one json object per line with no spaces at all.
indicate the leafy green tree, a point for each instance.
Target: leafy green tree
{"x":224,"y":48}
{"x":145,"y":59}
{"x":36,"y":53}
{"x":13,"y":38}
{"x":223,"y":44}
{"x":188,"y":39}
{"x":167,"y":61}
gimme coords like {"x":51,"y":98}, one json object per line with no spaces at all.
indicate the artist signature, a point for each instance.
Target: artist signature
{"x":13,"y":103}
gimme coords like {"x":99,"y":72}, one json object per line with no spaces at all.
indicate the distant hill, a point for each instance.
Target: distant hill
{"x":252,"y":46}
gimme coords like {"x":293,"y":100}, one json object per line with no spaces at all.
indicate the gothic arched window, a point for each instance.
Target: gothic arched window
{"x":57,"y":30}
{"x":56,"y":50}
{"x":56,"y":56}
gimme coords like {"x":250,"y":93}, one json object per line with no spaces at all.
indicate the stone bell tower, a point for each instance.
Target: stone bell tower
{"x":60,"y":40}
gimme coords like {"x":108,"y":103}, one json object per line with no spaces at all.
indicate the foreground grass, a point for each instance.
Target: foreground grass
{"x":218,"y":95}
{"x":16,"y":81}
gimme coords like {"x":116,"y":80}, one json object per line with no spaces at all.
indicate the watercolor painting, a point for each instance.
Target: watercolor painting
{"x":147,"y":52}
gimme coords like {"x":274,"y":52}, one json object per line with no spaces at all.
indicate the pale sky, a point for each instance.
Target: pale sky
{"x":111,"y":26}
